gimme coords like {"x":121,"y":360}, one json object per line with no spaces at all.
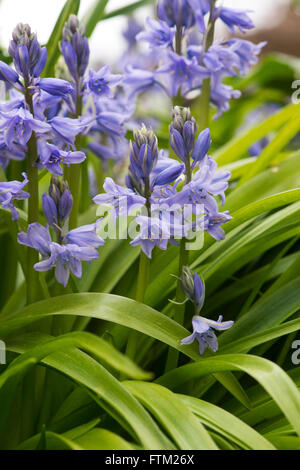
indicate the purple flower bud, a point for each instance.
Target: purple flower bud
{"x":50,"y":210}
{"x":65,"y":205}
{"x":202,"y":146}
{"x":193,"y":287}
{"x":182,"y":131}
{"x":55,"y":86}
{"x":40,"y":65}
{"x":75,"y":48}
{"x":7,"y":74}
{"x":144,"y":153}
{"x":176,"y":13}
{"x":168,"y":175}
{"x":29,"y":58}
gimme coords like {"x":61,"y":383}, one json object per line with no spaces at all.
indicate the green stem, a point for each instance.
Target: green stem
{"x":179,"y":307}
{"x":33,"y":208}
{"x":205,"y":95}
{"x":74,"y":172}
{"x":142,"y":282}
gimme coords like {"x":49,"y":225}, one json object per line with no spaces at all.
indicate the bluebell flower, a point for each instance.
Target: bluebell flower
{"x":100,"y":83}
{"x":18,"y":125}
{"x":66,"y":129}
{"x":211,"y":179}
{"x":111,"y":123}
{"x":75,"y":48}
{"x":176,"y":13}
{"x":182,"y":74}
{"x":246,"y":52}
{"x":11,"y":191}
{"x":204,"y":334}
{"x":156,"y":232}
{"x":55,"y":86}
{"x":221,"y":94}
{"x":213,"y":223}
{"x":200,"y":8}
{"x":67,"y":257}
{"x":15,"y":152}
{"x":51,"y":157}
{"x":193,"y":287}
{"x":235,"y":18}
{"x":158,"y":34}
{"x":123,"y":200}
{"x":85,"y":236}
{"x":139,"y":81}
{"x":37,"y":237}
{"x":132,"y":30}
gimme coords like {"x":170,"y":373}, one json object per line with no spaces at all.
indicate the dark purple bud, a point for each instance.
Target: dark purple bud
{"x":65,"y":205}
{"x":177,"y":144}
{"x":193,"y":287}
{"x":55,"y":86}
{"x":50,"y":210}
{"x":176,"y":13}
{"x":202,"y":146}
{"x":26,"y":52}
{"x":144,"y":152}
{"x":40,"y":65}
{"x":21,"y":61}
{"x":7,"y":74}
{"x":70,"y":58}
{"x":169,"y":175}
{"x":77,"y":53}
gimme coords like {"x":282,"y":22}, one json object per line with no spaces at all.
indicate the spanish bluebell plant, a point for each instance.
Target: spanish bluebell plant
{"x":71,"y":247}
{"x":82,"y":321}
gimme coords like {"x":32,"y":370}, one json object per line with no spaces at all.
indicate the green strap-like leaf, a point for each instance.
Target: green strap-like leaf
{"x":275,"y":381}
{"x":174,"y":416}
{"x":94,"y":16}
{"x":70,"y":7}
{"x":227,"y":424}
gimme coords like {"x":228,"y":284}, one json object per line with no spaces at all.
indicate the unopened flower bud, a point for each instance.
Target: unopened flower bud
{"x":193,"y":287}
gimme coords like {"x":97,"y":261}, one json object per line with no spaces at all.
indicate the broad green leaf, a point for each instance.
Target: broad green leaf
{"x":107,"y":390}
{"x":97,"y":347}
{"x":70,"y":7}
{"x":94,"y":16}
{"x":117,"y":310}
{"x":271,"y":377}
{"x":248,"y":342}
{"x":240,"y":144}
{"x":278,"y":144}
{"x":173,"y":415}
{"x":226,"y":424}
{"x":269,"y":313}
{"x":128,"y":9}
{"x":102,"y":439}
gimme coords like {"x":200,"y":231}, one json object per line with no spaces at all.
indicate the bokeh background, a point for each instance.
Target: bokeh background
{"x":277,"y":21}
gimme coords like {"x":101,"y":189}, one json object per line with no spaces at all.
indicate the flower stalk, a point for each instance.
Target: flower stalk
{"x":205,"y":94}
{"x":33,"y":207}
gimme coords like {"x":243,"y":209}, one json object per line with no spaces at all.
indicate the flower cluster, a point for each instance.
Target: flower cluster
{"x":186,"y":54}
{"x":194,"y":288}
{"x":178,"y":198}
{"x":72,"y":247}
